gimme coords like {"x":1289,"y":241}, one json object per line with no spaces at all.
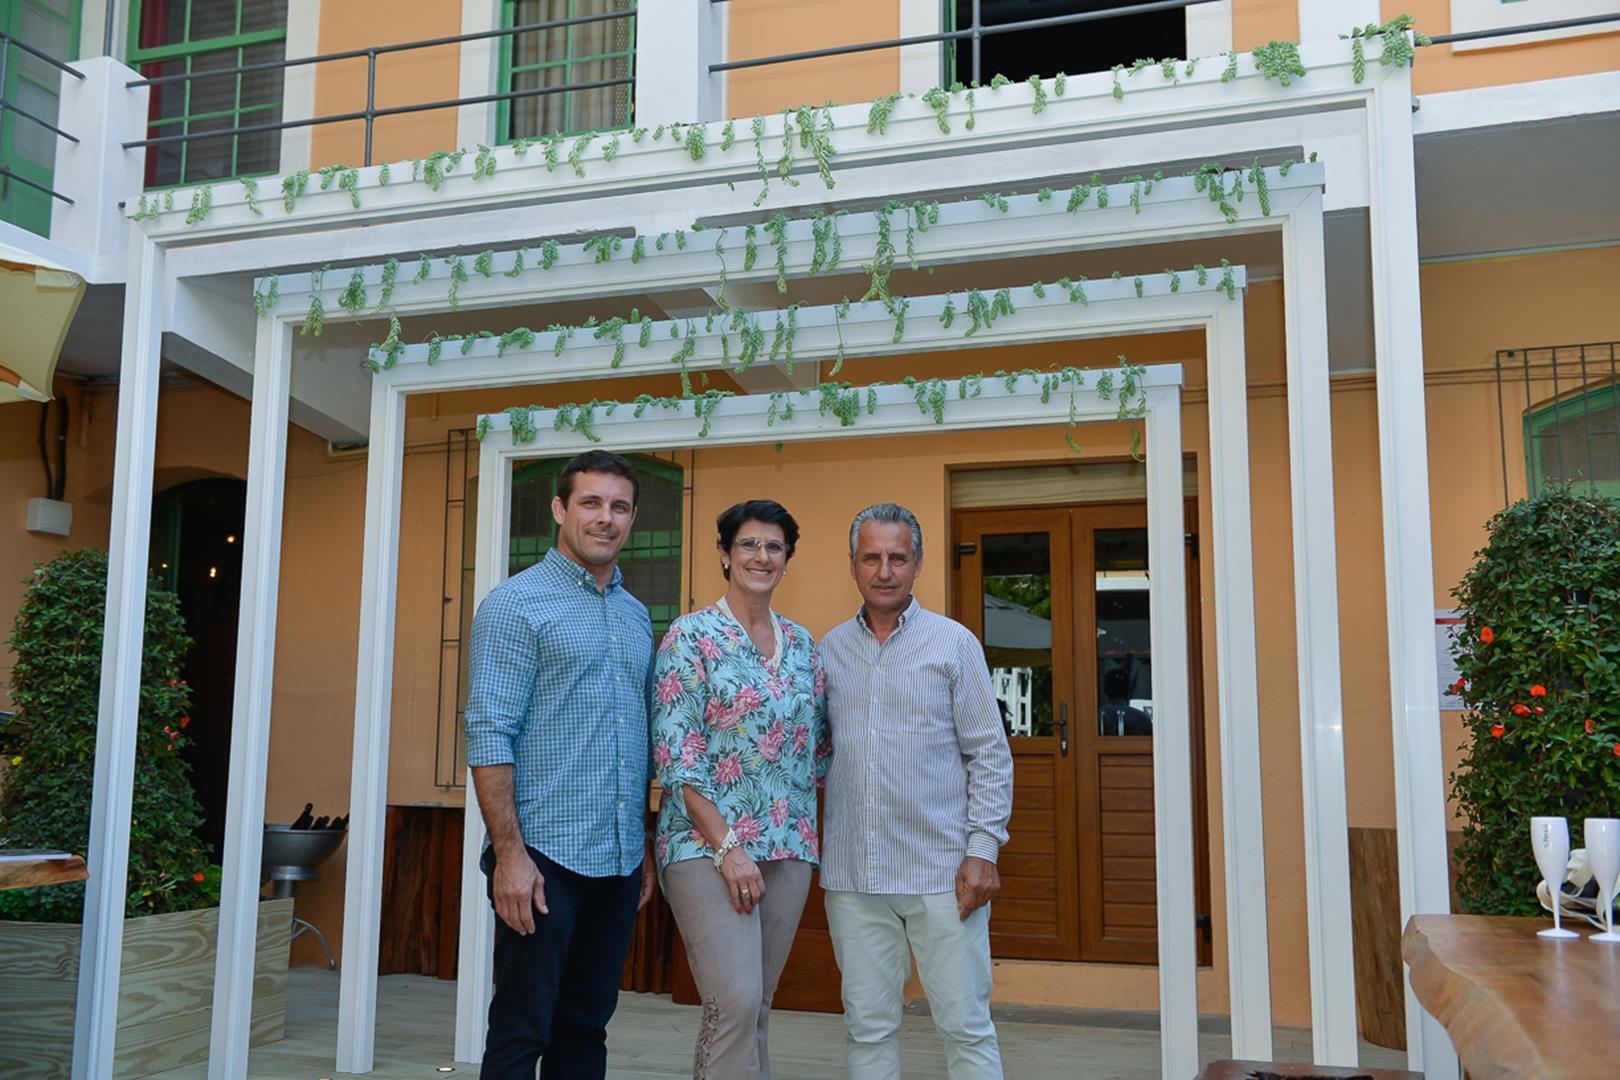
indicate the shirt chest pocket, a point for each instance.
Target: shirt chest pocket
{"x":917,"y":707}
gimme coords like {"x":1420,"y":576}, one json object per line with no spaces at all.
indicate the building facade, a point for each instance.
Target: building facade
{"x":1370,"y":284}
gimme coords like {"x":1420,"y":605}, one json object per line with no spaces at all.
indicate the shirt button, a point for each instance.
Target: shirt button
{"x":621,"y":719}
{"x":621,"y":806}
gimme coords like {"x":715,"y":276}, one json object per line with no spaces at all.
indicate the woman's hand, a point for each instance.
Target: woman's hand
{"x":743,"y":879}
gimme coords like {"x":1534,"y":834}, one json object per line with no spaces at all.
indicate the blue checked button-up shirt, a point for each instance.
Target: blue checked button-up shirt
{"x":560,"y":675}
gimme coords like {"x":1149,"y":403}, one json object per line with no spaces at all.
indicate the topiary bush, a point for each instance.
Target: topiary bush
{"x":1539,"y":656}
{"x":56,"y":688}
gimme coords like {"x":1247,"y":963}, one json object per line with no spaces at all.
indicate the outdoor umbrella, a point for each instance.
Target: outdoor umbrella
{"x":38,"y":300}
{"x":1013,"y":636}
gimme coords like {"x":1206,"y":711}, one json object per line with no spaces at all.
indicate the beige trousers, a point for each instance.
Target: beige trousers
{"x":736,"y":959}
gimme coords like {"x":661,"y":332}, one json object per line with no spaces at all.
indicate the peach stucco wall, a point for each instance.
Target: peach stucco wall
{"x":403,"y":78}
{"x":771,"y":27}
{"x":1441,"y":67}
{"x":1471,"y":310}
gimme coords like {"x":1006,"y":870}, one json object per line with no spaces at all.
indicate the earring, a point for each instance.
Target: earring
{"x":726,"y":567}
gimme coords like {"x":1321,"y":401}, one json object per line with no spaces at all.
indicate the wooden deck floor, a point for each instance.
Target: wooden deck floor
{"x":651,"y":1039}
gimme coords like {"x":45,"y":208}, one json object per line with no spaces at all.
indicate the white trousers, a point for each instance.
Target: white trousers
{"x":870,"y":935}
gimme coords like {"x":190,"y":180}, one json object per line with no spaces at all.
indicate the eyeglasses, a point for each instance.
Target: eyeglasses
{"x":752,"y":546}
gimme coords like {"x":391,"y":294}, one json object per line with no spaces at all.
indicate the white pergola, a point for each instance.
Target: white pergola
{"x":1005,"y":147}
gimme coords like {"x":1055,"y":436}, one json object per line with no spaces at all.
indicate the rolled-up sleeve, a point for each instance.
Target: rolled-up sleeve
{"x":502,"y":661}
{"x":680,"y":749}
{"x":985,"y":751}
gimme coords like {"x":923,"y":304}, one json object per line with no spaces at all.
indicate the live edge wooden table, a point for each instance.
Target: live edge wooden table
{"x":26,"y":869}
{"x":1516,"y":1005}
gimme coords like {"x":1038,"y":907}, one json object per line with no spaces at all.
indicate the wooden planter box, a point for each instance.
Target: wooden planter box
{"x":165,"y":1000}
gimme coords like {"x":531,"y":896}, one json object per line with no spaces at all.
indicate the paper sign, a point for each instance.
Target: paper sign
{"x":1448,"y":623}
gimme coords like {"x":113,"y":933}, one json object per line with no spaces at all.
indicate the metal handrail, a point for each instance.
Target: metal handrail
{"x":1528,"y":28}
{"x":7,"y":43}
{"x":371,"y":113}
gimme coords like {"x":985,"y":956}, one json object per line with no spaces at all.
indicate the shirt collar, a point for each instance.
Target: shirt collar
{"x":905,"y":616}
{"x":572,"y":571}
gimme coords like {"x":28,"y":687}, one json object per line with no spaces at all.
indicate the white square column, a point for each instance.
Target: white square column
{"x":676,"y":41}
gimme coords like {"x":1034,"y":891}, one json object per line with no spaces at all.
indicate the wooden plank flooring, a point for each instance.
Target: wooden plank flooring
{"x":651,"y":1039}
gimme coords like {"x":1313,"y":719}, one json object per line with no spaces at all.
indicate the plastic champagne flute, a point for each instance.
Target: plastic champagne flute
{"x":1549,"y":836}
{"x":1603,"y":856}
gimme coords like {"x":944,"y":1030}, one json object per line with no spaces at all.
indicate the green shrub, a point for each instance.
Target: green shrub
{"x":56,"y":686}
{"x":1540,"y":661}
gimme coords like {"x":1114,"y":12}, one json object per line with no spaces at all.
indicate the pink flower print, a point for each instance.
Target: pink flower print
{"x":780,"y":852}
{"x":669,"y":688}
{"x":661,"y":754}
{"x":697,"y":838}
{"x":707,"y":648}
{"x":728,"y":770}
{"x":775,"y":687}
{"x":801,"y":738}
{"x":732,"y":634}
{"x":807,"y":833}
{"x":691,"y":746}
{"x":718,"y":715}
{"x":746,"y":828}
{"x":788,"y":633}
{"x":746,"y":701}
{"x":671,"y":637}
{"x":779,"y":812}
{"x":821,"y":681}
{"x":770,"y":743}
{"x":663,"y":848}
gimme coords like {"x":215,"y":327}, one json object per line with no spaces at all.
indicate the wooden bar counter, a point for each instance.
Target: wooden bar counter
{"x":26,"y":869}
{"x":1516,"y":1005}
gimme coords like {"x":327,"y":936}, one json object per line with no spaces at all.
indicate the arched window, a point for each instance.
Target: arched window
{"x":1576,"y":441}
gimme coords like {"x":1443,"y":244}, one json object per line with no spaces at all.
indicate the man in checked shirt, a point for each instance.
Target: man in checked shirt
{"x":918,"y":797}
{"x":560,"y":677}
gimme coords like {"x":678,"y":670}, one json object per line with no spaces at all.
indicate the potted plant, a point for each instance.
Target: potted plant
{"x":1539,"y":656}
{"x":172,"y":915}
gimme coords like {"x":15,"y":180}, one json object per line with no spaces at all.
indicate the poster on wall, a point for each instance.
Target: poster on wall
{"x":1448,"y":623}
{"x":1468,"y":15}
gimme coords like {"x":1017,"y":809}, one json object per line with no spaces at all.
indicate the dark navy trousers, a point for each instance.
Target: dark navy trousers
{"x":556,"y":989}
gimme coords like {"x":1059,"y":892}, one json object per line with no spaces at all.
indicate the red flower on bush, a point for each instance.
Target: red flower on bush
{"x":197,"y":877}
{"x":1458,"y":686}
{"x":1498,"y":730}
{"x":1538,"y":691}
{"x":1486,"y":635}
{"x":1617,"y":749}
{"x":1589,"y":726}
{"x":185,"y":721}
{"x":1521,"y":710}
{"x":1540,"y":711}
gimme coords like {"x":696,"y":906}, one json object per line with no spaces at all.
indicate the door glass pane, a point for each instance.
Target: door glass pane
{"x":1018,"y":628}
{"x":1124,"y":650}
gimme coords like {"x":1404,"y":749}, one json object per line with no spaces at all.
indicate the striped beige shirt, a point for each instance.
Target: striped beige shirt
{"x":921,"y":773}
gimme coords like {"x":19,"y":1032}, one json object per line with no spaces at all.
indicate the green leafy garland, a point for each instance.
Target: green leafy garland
{"x":807,"y":129}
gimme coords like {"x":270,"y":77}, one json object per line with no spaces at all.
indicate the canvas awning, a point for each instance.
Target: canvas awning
{"x":38,"y":300}
{"x":1013,"y":636}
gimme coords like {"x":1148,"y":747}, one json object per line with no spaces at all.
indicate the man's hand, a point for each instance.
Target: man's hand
{"x":520,"y":888}
{"x":649,"y":878}
{"x":976,"y":882}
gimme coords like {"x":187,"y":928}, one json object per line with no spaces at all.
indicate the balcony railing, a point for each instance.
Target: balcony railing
{"x":1564,"y":401}
{"x":372,"y":111}
{"x":9,"y":48}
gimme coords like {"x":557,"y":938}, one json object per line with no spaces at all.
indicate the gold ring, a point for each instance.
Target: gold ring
{"x":745,"y":890}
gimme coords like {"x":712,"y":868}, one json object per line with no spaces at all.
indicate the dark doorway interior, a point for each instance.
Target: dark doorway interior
{"x":1073,"y":49}
{"x":197,"y":550}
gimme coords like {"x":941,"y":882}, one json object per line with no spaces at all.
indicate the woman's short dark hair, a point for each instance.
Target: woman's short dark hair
{"x":597,"y":461}
{"x":765,"y":511}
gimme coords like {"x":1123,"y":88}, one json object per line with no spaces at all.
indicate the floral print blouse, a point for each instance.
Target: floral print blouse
{"x":749,"y":735}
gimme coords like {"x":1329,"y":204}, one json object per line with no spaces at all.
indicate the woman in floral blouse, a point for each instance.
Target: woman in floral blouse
{"x":741,"y":742}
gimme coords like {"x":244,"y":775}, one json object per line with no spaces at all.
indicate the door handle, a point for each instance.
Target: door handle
{"x":1063,"y":729}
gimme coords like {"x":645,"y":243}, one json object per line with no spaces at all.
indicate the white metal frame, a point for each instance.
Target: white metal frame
{"x":1008,"y":138}
{"x":743,"y":420}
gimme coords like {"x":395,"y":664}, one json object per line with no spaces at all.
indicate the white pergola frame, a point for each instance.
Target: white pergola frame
{"x":1385,"y":97}
{"x":742,"y":421}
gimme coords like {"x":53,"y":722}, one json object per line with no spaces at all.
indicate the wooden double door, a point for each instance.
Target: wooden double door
{"x":1059,"y":598}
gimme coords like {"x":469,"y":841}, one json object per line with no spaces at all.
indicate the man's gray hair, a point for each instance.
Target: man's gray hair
{"x":887,"y":514}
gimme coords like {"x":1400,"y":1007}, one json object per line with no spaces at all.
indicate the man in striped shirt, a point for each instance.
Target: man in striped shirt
{"x":919,"y":793}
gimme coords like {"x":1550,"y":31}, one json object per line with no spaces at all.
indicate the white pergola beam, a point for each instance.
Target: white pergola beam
{"x":95,"y":1022}
{"x":967,"y":231}
{"x":1112,"y":307}
{"x":1002,"y":120}
{"x":232,"y":1019}
{"x":373,"y":694}
{"x":1403,"y":468}
{"x":1316,"y":635}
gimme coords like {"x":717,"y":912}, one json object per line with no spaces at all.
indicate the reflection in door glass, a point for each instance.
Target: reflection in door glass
{"x":1018,"y":628}
{"x":1124,"y":649}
